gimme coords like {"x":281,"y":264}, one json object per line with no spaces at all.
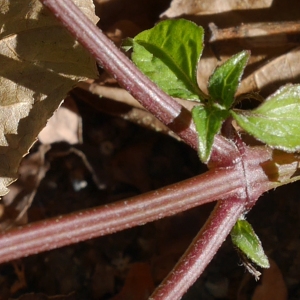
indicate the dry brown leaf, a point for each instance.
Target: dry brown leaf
{"x":63,"y":126}
{"x":121,"y":30}
{"x":40,"y":296}
{"x":204,"y":7}
{"x":139,"y":273}
{"x":40,"y":62}
{"x":132,"y":111}
{"x":281,"y":70}
{"x":32,"y":170}
{"x":20,"y":283}
{"x":260,"y":35}
{"x":273,"y":286}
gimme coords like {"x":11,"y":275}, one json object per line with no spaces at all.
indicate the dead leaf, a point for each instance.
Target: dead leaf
{"x":32,"y":170}
{"x":258,"y":35}
{"x":40,"y":62}
{"x":63,"y":126}
{"x":121,"y":30}
{"x":281,"y":70}
{"x":272,"y":286}
{"x":40,"y":296}
{"x":20,"y":283}
{"x":138,"y":284}
{"x":134,"y":112}
{"x":205,"y":7}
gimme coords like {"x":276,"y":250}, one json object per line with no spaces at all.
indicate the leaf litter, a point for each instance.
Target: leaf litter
{"x":38,"y":68}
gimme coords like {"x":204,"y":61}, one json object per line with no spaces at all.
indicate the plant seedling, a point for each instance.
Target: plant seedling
{"x":239,"y":174}
{"x":169,"y":54}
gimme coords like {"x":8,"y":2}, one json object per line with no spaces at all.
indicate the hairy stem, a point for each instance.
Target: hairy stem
{"x":99,"y":221}
{"x":201,"y":251}
{"x":233,"y":183}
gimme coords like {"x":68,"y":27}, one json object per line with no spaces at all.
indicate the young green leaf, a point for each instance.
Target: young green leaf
{"x":225,"y":80}
{"x":245,"y":239}
{"x":208,"y":121}
{"x":169,"y":54}
{"x":276,"y":121}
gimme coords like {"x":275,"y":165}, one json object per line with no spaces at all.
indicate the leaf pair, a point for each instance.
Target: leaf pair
{"x":169,"y":54}
{"x":222,"y":86}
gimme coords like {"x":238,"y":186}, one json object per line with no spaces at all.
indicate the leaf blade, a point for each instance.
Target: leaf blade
{"x":208,"y":121}
{"x":169,"y":54}
{"x":245,"y":239}
{"x":276,"y":121}
{"x":224,"y":81}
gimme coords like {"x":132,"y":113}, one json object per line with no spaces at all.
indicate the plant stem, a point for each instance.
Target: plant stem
{"x":222,"y":219}
{"x":240,"y":181}
{"x":162,"y":106}
{"x":225,"y":183}
{"x":201,"y":251}
{"x":99,"y":221}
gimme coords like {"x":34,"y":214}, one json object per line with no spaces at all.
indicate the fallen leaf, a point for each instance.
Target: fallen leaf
{"x":63,"y":126}
{"x":138,"y":284}
{"x":272,"y":286}
{"x":22,"y":192}
{"x":121,"y":30}
{"x":40,"y":296}
{"x":205,"y":7}
{"x":274,"y":74}
{"x":40,"y":62}
{"x":20,"y":283}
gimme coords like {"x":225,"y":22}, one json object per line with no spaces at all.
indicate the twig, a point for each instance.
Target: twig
{"x":276,"y":34}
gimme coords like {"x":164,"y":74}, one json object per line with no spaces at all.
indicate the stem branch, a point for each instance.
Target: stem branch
{"x":80,"y":226}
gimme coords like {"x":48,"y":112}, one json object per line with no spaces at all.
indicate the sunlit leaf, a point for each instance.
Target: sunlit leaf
{"x":225,"y":80}
{"x":169,"y":54}
{"x":276,"y":121}
{"x":40,"y":62}
{"x":208,"y":121}
{"x":245,"y":239}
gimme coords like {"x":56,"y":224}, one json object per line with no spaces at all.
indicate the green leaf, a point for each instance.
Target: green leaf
{"x":245,"y":239}
{"x":169,"y":54}
{"x":208,"y":121}
{"x":225,"y":80}
{"x":276,"y":121}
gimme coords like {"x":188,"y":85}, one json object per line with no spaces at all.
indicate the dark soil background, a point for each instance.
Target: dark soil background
{"x":127,"y":160}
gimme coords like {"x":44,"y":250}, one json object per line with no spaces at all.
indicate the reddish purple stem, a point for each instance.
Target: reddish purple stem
{"x":201,"y":251}
{"x":240,"y":178}
{"x":84,"y":225}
